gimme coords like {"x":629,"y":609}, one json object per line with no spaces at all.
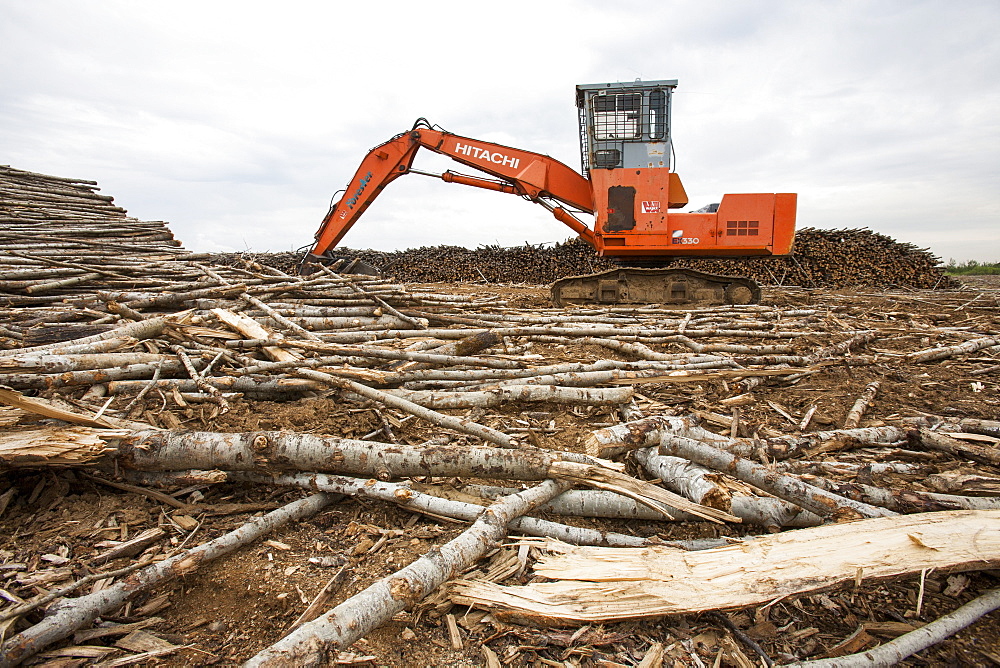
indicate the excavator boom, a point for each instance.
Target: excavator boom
{"x":517,"y":172}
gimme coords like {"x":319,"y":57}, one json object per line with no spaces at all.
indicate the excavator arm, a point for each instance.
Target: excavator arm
{"x":531,"y":175}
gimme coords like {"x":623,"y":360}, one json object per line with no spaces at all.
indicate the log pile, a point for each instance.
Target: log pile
{"x":69,"y":257}
{"x":820,"y":259}
{"x":465,"y":368}
{"x":840,"y":259}
{"x":751,"y":433}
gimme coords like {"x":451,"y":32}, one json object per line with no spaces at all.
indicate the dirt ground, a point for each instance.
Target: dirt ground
{"x":232,"y":608}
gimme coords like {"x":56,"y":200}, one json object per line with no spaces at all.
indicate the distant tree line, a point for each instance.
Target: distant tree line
{"x":971,"y":268}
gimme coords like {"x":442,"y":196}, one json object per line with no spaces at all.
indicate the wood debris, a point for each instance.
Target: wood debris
{"x":156,"y":393}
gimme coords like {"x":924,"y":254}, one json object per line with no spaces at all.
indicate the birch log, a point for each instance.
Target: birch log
{"x":406,"y":496}
{"x":318,"y":642}
{"x":814,"y":499}
{"x":908,"y":644}
{"x":65,"y":617}
{"x":853,"y":419}
{"x":572,"y":396}
{"x":458,"y":424}
{"x":763,"y":511}
{"x":277,"y":451}
{"x":600,"y":585}
{"x":935,"y":441}
{"x":934,"y":354}
{"x":642,"y":433}
{"x":136,"y":330}
{"x":903,"y":501}
{"x":695,"y":482}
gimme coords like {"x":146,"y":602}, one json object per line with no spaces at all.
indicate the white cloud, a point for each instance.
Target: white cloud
{"x":236,"y":121}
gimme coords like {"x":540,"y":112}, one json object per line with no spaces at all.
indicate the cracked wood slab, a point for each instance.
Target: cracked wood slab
{"x":601,"y":585}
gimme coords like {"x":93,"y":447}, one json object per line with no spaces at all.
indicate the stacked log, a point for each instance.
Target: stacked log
{"x":820,"y":259}
{"x":72,"y":263}
{"x":51,"y":217}
{"x":839,"y":259}
{"x":59,"y":237}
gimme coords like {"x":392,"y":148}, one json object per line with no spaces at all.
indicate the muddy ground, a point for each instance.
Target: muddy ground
{"x":231,"y":609}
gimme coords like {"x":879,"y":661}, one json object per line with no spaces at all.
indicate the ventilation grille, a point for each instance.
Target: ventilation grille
{"x":742,"y":228}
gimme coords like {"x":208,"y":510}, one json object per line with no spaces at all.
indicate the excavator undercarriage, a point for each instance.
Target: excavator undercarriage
{"x":675,"y":287}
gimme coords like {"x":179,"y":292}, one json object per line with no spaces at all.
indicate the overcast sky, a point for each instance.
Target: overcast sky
{"x":237,"y":121}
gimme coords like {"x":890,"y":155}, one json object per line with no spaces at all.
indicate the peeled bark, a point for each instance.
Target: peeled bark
{"x":786,"y":487}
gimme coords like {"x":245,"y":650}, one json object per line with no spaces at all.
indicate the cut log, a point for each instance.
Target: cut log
{"x":408,"y":497}
{"x":908,"y":644}
{"x":573,"y":396}
{"x":252,"y":329}
{"x":695,"y":482}
{"x":601,"y":585}
{"x":271,"y":451}
{"x":64,"y":618}
{"x":316,"y":643}
{"x":969,"y":347}
{"x":853,"y":419}
{"x":790,"y":488}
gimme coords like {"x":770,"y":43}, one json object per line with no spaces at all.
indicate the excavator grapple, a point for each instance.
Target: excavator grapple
{"x":628,"y":185}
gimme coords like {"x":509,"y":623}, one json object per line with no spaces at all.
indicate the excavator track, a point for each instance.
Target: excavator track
{"x":675,"y":287}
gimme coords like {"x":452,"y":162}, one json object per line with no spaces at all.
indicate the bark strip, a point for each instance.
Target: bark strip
{"x":790,"y":488}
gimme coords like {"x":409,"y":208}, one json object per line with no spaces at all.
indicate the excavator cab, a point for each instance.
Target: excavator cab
{"x":627,"y":155}
{"x":625,"y":124}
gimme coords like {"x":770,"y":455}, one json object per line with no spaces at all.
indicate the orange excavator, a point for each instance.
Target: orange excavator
{"x":627,"y":185}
